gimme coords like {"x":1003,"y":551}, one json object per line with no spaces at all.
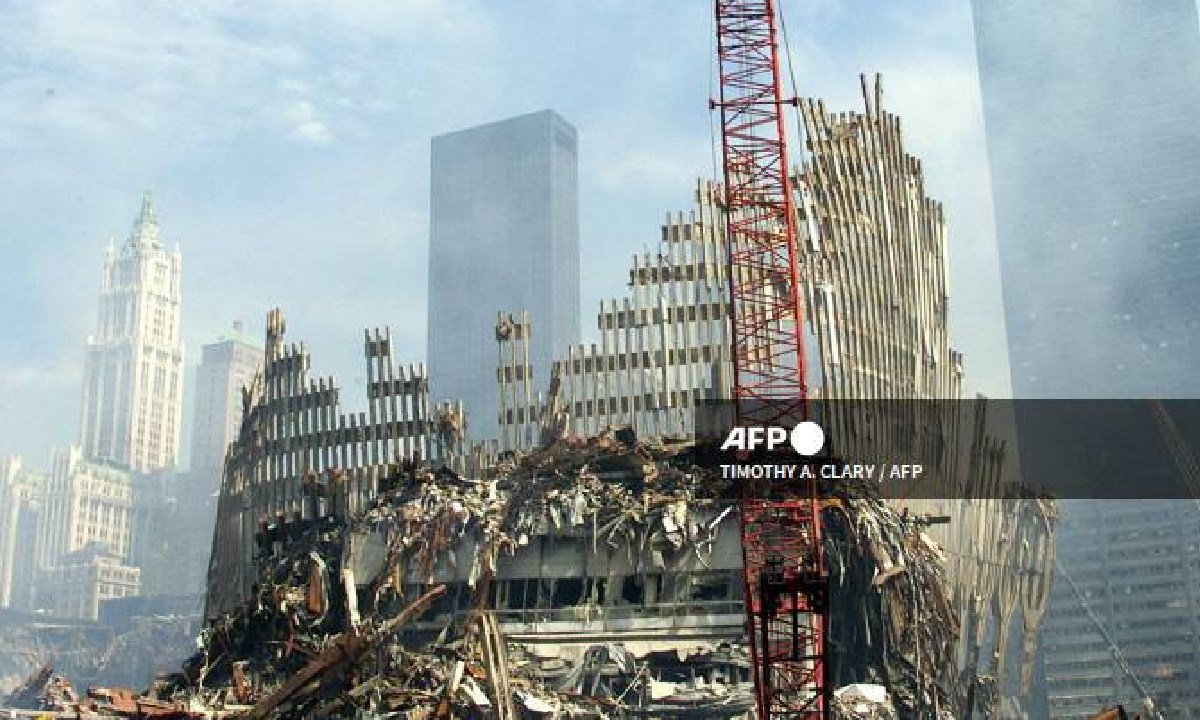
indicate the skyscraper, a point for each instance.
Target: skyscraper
{"x":225,"y":367}
{"x":1091,"y":111}
{"x":133,"y":372}
{"x":504,"y":236}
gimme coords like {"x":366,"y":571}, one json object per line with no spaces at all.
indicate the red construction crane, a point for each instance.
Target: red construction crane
{"x":785,"y":582}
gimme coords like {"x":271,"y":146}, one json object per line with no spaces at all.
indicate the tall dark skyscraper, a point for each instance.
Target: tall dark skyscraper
{"x":1092,"y":111}
{"x":504,"y":236}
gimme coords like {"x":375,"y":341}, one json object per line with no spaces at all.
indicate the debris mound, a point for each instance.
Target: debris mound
{"x":391,"y":611}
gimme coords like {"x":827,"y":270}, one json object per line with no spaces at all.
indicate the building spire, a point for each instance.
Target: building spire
{"x":147,"y":214}
{"x":145,"y":228}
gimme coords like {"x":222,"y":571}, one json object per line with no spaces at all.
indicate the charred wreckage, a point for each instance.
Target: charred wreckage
{"x":592,"y":578}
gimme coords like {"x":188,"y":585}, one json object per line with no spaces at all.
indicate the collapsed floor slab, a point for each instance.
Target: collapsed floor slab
{"x":597,"y":577}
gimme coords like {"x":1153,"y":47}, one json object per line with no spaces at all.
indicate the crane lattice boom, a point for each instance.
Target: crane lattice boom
{"x":784,"y":576}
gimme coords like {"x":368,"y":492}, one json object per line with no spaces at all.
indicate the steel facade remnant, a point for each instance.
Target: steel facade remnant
{"x":783,"y":568}
{"x":514,"y":379}
{"x":663,"y":348}
{"x":294,"y":436}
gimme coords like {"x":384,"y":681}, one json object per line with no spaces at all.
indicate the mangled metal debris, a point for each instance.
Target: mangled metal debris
{"x":589,"y":579}
{"x":46,"y":691}
{"x":320,"y":637}
{"x":895,"y":625}
{"x":42,"y":690}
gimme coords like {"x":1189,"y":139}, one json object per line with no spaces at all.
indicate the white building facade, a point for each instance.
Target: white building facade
{"x":84,"y":537}
{"x":85,"y":504}
{"x":133,"y":377}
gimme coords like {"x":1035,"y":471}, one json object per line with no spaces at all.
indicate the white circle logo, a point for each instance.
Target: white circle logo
{"x":808,"y":438}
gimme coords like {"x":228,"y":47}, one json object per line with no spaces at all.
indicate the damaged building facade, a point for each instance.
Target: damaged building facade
{"x":597,"y":578}
{"x":293,"y":437}
{"x":872,"y":251}
{"x":611,"y":566}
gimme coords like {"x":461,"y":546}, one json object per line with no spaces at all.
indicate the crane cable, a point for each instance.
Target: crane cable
{"x":1185,"y":461}
{"x":714,"y":67}
{"x":787,"y":53}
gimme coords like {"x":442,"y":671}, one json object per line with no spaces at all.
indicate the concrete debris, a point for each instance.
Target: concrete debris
{"x":422,"y":605}
{"x":862,"y":701}
{"x":324,"y":636}
{"x":451,"y":427}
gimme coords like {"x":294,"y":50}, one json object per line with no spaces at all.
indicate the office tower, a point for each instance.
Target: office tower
{"x":226,"y":366}
{"x":504,"y":236}
{"x":133,"y":376}
{"x":1135,"y":565}
{"x":1091,"y":111}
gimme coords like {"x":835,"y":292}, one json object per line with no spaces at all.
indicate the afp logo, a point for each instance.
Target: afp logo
{"x":807,"y":438}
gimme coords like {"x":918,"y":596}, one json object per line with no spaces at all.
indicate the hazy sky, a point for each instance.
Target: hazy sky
{"x":287,"y":146}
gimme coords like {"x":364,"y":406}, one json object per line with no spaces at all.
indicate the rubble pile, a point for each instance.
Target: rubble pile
{"x":277,"y":660}
{"x":893,"y":622}
{"x":364,"y":669}
{"x":348,"y":618}
{"x":334,"y":592}
{"x":45,"y":691}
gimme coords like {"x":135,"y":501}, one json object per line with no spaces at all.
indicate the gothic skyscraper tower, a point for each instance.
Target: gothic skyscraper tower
{"x":133,"y":376}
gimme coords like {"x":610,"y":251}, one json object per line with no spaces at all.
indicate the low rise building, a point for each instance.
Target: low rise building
{"x":80,"y":581}
{"x":86,"y":537}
